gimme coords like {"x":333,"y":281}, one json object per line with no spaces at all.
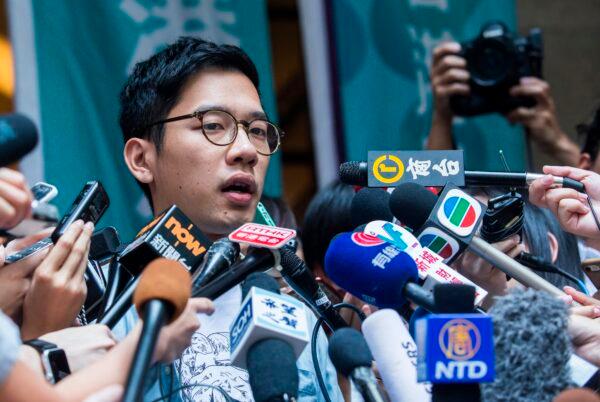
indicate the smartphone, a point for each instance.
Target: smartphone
{"x":43,"y":192}
{"x":26,"y":252}
{"x":89,"y":206}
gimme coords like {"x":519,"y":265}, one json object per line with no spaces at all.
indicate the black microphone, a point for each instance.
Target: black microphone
{"x":357,"y":174}
{"x":18,"y":137}
{"x":272,"y":370}
{"x":170,"y":235}
{"x":370,"y":204}
{"x":219,"y":257}
{"x":160,"y":298}
{"x":299,"y":277}
{"x":352,"y":357}
{"x":257,"y":259}
{"x":454,"y":299}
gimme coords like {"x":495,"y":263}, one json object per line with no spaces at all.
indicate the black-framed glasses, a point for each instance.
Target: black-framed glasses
{"x":221,"y":128}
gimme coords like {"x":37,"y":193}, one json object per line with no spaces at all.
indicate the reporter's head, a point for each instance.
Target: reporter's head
{"x":196,"y":134}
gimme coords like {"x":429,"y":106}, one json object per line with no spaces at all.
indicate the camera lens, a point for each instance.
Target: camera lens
{"x":490,"y":63}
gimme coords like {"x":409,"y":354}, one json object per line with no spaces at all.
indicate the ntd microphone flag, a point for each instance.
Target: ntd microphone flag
{"x":265,"y":314}
{"x":370,"y":268}
{"x":455,"y":348}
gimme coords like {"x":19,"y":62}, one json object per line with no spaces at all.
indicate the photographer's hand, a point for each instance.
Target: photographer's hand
{"x":449,"y":76}
{"x":541,"y":121}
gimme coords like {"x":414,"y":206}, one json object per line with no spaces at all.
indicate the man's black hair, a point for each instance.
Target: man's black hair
{"x":327,"y":215}
{"x":590,"y":136}
{"x":156,"y":84}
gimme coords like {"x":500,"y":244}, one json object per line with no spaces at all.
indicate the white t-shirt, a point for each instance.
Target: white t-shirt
{"x":206,"y":361}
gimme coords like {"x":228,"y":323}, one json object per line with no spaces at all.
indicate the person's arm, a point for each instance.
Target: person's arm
{"x":23,"y":384}
{"x":541,"y":121}
{"x":82,"y":346}
{"x":449,"y":76}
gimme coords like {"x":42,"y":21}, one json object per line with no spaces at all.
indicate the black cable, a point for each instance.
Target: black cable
{"x":541,"y":265}
{"x":313,"y":345}
{"x":593,"y":211}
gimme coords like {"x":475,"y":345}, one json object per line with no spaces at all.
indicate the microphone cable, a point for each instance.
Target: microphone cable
{"x":313,"y":345}
{"x":539,"y":264}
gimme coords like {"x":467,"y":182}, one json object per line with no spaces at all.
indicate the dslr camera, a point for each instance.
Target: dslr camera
{"x":496,"y":61}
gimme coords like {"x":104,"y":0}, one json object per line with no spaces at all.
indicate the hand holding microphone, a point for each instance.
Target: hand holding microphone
{"x":569,"y":206}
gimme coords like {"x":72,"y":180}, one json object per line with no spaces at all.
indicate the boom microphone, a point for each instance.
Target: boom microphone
{"x":357,"y":174}
{"x":161,"y":297}
{"x":351,"y":356}
{"x":532,"y":348}
{"x":412,"y":204}
{"x":18,"y":137}
{"x":299,"y":277}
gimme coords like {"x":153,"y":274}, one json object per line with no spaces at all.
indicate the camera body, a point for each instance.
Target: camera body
{"x":496,"y":61}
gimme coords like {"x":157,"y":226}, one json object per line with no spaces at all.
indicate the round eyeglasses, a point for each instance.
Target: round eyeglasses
{"x":221,"y":128}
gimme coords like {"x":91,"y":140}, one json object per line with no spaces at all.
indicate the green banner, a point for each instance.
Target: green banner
{"x":85,"y":50}
{"x":384,"y":52}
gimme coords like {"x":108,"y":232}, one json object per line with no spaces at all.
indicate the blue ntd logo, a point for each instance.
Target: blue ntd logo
{"x":455,"y":348}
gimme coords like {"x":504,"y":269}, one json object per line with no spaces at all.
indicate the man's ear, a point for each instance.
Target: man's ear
{"x":140,"y":157}
{"x":585,"y":161}
{"x":553,"y":247}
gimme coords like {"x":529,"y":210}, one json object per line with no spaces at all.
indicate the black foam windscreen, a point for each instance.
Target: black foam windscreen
{"x":411,"y":204}
{"x":370,"y":204}
{"x":272,"y":370}
{"x":260,"y":280}
{"x":18,"y":137}
{"x":349,"y":350}
{"x":532,"y":347}
{"x":451,"y":298}
{"x":354,"y":173}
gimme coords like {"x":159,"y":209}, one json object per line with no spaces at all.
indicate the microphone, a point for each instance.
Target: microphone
{"x":532,"y":347}
{"x":272,"y":371}
{"x":356,"y":173}
{"x":18,"y":137}
{"x":430,"y":265}
{"x":370,"y":204}
{"x":395,"y":353}
{"x":300,"y":278}
{"x":454,"y":212}
{"x":456,"y":350}
{"x":160,"y":298}
{"x":257,"y":259}
{"x":351,"y":356}
{"x":374,"y":271}
{"x":266,"y":338}
{"x":219,"y":257}
{"x":170,"y":235}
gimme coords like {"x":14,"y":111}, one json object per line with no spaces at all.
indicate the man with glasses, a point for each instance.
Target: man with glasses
{"x":196,"y":135}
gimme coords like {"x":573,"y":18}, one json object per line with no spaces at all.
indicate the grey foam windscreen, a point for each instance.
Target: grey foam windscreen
{"x":532,"y":348}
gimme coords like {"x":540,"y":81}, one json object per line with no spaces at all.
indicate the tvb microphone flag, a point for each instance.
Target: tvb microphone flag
{"x":72,"y":58}
{"x":383,"y":51}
